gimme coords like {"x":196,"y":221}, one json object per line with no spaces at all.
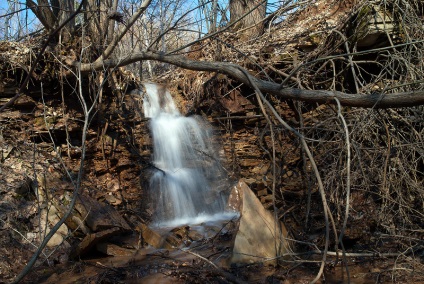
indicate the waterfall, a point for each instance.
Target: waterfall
{"x":185,"y":183}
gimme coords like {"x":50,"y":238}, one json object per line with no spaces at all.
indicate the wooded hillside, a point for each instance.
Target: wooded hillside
{"x":317,"y":105}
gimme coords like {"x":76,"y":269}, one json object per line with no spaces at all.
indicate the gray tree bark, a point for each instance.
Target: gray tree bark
{"x":248,"y":14}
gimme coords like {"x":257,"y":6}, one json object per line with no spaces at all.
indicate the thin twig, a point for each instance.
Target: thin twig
{"x":226,"y":274}
{"x":339,"y":113}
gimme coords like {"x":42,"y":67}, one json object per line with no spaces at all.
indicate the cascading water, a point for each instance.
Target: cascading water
{"x":184,"y":183}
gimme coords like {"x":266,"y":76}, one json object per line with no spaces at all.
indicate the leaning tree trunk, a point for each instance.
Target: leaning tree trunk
{"x":53,"y":13}
{"x":248,"y":16}
{"x":43,"y":11}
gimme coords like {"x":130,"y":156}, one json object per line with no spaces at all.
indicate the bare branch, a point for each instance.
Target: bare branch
{"x":373,"y":100}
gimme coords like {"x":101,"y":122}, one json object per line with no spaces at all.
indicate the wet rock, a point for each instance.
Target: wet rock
{"x":151,"y":237}
{"x":181,"y":231}
{"x":114,"y":250}
{"x":183,"y":236}
{"x":179,"y":237}
{"x":93,"y":239}
{"x":173,"y":241}
{"x":99,"y":216}
{"x":258,"y":236}
{"x":195,"y":236}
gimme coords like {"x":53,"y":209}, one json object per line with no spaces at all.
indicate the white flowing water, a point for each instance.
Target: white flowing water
{"x":184,"y":183}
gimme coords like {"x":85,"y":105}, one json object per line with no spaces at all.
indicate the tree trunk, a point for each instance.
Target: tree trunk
{"x":44,"y":13}
{"x":62,"y":11}
{"x":98,"y":21}
{"x":53,"y":13}
{"x":248,"y":14}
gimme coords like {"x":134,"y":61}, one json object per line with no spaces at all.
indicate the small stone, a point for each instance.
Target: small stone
{"x":112,"y":199}
{"x":31,"y":237}
{"x":55,"y":240}
{"x":260,"y":169}
{"x":181,"y":232}
{"x":173,"y":241}
{"x":113,"y":186}
{"x":267,"y":198}
{"x":151,"y":237}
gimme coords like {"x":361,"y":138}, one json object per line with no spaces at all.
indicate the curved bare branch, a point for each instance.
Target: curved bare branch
{"x":373,"y":100}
